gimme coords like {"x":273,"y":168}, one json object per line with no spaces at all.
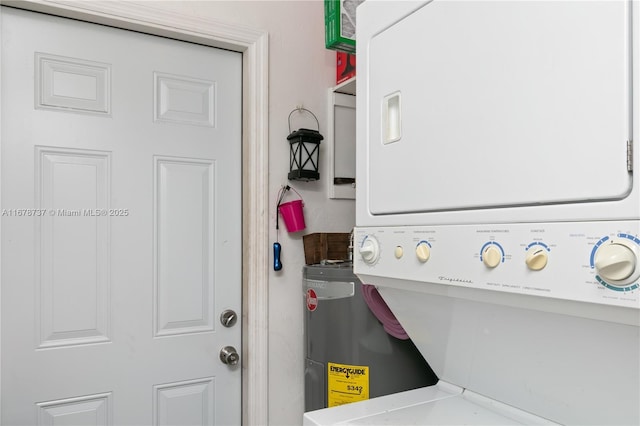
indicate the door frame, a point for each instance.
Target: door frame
{"x":254,"y":46}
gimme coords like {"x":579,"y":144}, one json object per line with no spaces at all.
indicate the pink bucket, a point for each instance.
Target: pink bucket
{"x":292,"y":214}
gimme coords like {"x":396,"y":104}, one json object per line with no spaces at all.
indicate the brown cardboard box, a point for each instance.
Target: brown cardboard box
{"x":326,"y":246}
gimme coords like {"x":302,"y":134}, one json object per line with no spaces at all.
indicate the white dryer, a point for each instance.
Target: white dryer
{"x":441,"y":404}
{"x":498,"y":207}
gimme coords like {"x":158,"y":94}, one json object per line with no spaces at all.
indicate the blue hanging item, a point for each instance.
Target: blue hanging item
{"x":277,"y":264}
{"x":277,"y":248}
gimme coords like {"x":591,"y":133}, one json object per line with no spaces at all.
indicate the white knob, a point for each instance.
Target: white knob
{"x":398,"y":252}
{"x":423,"y":252}
{"x":370,"y":250}
{"x":536,"y":258}
{"x":491,"y":256}
{"x":615,"y":262}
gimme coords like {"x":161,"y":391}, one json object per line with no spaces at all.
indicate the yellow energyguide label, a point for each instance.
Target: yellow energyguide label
{"x":347,"y":383}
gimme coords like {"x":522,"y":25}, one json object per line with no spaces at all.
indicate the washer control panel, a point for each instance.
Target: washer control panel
{"x":596,"y":262}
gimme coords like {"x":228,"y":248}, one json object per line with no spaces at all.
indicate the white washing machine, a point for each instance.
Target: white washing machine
{"x":498,"y":207}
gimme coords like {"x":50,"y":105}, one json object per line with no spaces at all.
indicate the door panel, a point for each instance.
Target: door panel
{"x":512,"y":110}
{"x":72,"y":257}
{"x":184,"y":293}
{"x":121,"y":225}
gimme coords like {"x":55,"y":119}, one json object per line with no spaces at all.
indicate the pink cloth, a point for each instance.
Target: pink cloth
{"x":381,"y":310}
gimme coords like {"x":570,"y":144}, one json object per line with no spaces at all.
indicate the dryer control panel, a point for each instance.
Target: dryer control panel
{"x":597,"y":262}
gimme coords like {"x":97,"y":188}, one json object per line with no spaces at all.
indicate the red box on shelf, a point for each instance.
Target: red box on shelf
{"x":345,"y":66}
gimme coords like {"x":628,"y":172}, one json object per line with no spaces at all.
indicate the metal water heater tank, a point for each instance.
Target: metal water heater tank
{"x":349,"y":356}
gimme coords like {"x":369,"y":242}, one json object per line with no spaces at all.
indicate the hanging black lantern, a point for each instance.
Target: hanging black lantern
{"x":304,"y":151}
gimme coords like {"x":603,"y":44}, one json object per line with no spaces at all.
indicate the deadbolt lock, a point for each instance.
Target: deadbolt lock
{"x":228,"y":318}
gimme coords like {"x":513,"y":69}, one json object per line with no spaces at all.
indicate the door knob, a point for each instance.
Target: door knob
{"x":229,"y":355}
{"x":228,"y":318}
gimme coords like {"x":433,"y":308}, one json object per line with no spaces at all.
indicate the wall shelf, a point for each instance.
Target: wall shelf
{"x":348,"y":87}
{"x":341,"y":140}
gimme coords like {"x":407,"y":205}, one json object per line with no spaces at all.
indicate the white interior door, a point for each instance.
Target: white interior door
{"x":121,"y":226}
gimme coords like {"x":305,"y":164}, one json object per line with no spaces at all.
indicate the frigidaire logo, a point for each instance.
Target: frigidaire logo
{"x":455,"y":280}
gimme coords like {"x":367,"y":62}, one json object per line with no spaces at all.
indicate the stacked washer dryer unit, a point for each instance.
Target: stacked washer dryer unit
{"x":498,"y":207}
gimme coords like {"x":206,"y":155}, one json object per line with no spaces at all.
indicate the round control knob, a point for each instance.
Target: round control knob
{"x":536,"y":258}
{"x":423,"y":252}
{"x":491,"y":256}
{"x":370,"y":250}
{"x":615,"y":262}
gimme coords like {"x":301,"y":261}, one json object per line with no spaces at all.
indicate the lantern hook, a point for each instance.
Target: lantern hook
{"x":300,"y":110}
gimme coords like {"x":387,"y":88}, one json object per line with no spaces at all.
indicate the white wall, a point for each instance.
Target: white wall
{"x":300,"y":72}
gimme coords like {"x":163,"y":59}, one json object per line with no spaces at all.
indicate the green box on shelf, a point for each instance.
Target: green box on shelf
{"x":340,"y":24}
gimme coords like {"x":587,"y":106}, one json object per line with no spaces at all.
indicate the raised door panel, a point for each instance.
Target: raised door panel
{"x":184,"y":245}
{"x":72,"y":259}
